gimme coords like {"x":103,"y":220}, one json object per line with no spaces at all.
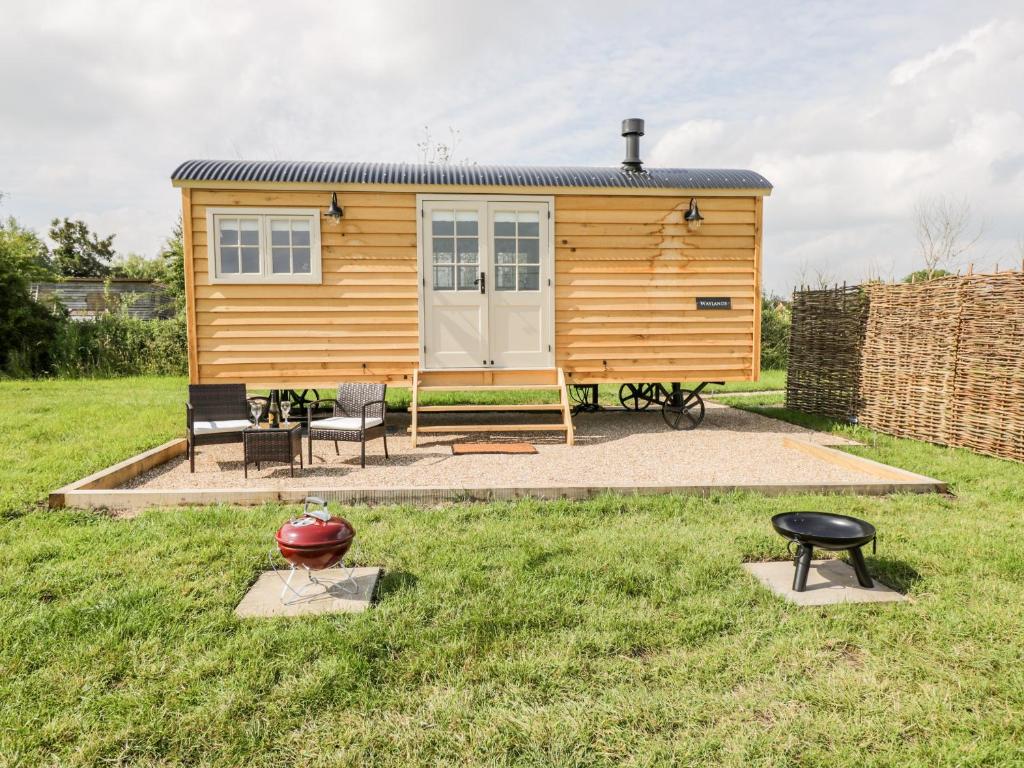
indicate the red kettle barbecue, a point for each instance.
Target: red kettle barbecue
{"x":316,"y":539}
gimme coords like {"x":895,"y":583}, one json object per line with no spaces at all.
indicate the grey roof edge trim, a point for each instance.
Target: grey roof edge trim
{"x":298,"y":172}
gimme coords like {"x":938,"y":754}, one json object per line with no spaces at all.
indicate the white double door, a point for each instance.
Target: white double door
{"x":487,"y":280}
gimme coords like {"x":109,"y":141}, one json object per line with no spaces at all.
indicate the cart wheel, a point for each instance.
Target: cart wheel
{"x":636,"y":397}
{"x":579,"y":394}
{"x":689,"y":415}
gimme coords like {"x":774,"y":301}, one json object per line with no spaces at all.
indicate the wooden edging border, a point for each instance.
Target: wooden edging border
{"x":860,"y":464}
{"x":120,"y":473}
{"x":99,"y":490}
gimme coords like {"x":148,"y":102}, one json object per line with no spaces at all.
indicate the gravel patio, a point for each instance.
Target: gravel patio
{"x":613,"y":448}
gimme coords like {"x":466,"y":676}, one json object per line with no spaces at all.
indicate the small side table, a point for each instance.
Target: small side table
{"x":262,"y":443}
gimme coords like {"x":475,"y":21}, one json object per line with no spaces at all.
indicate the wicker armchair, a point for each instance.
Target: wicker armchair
{"x":359,"y":415}
{"x":215,"y":413}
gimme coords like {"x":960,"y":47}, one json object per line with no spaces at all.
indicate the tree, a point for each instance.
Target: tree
{"x":173,"y":257}
{"x":28,"y":329}
{"x":922,"y":275}
{"x":25,"y":252}
{"x":78,"y":252}
{"x":942,"y":225}
{"x":135,"y":266}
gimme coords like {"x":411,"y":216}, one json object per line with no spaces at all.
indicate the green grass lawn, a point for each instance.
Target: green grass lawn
{"x":618,"y":632}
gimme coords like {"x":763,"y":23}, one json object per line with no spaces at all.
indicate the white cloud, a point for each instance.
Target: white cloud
{"x":848,"y":168}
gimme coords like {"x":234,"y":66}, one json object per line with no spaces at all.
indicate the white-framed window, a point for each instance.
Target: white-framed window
{"x":264,"y":245}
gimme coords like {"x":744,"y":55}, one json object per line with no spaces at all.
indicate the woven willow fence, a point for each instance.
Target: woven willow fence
{"x":941,"y":361}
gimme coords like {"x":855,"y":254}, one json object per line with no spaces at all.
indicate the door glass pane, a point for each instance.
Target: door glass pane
{"x":504,"y":250}
{"x":505,"y":224}
{"x":280,"y":261}
{"x":529,"y":278}
{"x":249,"y":231}
{"x":466,"y":223}
{"x":444,"y":278}
{"x":504,"y":278}
{"x":229,"y":260}
{"x":251,"y":261}
{"x":468,"y":275}
{"x":466,"y":249}
{"x":529,"y":224}
{"x":228,"y":231}
{"x":529,"y":251}
{"x":444,"y":250}
{"x":443,"y":223}
{"x":301,"y":262}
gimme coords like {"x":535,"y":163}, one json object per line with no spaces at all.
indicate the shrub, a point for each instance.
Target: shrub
{"x":119,"y":345}
{"x":775,"y":322}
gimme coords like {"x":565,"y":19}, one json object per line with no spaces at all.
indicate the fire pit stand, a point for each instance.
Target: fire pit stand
{"x":826,"y":531}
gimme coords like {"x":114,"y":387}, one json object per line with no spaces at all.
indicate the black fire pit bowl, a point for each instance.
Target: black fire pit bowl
{"x":825,"y":531}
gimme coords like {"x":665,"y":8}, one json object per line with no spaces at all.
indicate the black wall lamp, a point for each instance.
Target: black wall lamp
{"x":692,"y":216}
{"x":334,"y":212}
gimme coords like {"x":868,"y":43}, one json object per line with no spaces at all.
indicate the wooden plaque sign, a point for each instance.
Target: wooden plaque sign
{"x":714,"y":302}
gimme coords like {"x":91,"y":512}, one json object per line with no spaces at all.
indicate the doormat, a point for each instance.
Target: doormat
{"x":466,"y":449}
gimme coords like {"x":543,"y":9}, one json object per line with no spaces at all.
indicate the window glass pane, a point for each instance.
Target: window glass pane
{"x":301,"y":262}
{"x":228,"y":231}
{"x":504,"y":224}
{"x":529,"y":251}
{"x":465,"y":223}
{"x":249,"y":231}
{"x":466,"y":249}
{"x":468,"y":275}
{"x":229,"y":260}
{"x":505,"y":278}
{"x":279,"y":237}
{"x":251,"y":261}
{"x":444,"y":278}
{"x":529,"y":224}
{"x":444,"y":250}
{"x":443,"y":222}
{"x":281,"y":261}
{"x":529,"y":278}
{"x":504,"y":258}
{"x":300,"y":233}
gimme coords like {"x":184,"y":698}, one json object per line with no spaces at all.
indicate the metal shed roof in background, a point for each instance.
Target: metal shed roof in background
{"x":475,"y":175}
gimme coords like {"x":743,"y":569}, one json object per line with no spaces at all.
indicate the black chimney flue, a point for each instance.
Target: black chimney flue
{"x":632,"y":129}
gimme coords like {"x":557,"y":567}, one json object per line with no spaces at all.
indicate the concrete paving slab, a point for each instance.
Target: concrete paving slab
{"x":330,"y":593}
{"x":829,"y":582}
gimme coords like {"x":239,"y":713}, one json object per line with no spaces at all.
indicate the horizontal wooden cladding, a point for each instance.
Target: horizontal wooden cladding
{"x":606,"y":202}
{"x":653,"y":267}
{"x":627,"y":275}
{"x":299,"y":199}
{"x":652,"y":375}
{"x":346,"y":291}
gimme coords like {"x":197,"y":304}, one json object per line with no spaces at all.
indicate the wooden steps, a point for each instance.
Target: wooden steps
{"x":477,"y":380}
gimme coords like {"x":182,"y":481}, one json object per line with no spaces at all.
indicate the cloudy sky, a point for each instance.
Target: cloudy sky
{"x":853,"y":110}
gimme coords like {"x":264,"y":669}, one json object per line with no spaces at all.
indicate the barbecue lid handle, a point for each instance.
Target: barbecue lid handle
{"x":319,"y":508}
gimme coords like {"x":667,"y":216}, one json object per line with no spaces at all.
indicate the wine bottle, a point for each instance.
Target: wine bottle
{"x":274,"y":412}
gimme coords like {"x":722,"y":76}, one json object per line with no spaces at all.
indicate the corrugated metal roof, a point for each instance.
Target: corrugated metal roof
{"x":476,"y":175}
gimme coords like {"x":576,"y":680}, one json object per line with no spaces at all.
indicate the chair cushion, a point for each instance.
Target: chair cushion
{"x":221,"y":425}
{"x":347,"y":423}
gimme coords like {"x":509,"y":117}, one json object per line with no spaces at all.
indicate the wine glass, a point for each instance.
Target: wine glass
{"x":286,"y":407}
{"x":256,"y":408}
